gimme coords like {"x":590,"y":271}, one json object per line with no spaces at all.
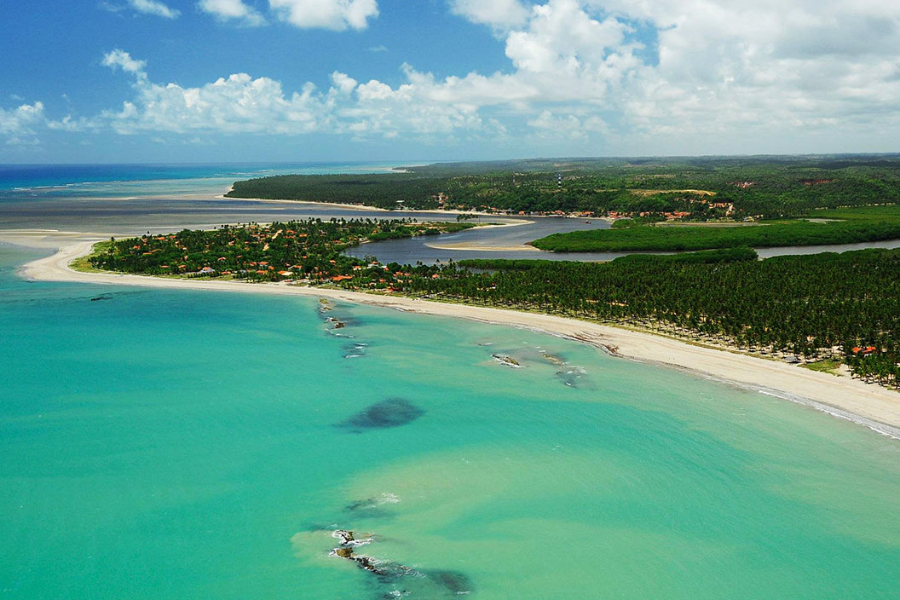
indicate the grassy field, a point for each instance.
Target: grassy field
{"x":828,"y":365}
{"x":83,"y":263}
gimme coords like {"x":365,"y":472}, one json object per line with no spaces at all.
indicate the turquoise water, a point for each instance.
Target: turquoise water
{"x":39,"y":182}
{"x":194,"y":445}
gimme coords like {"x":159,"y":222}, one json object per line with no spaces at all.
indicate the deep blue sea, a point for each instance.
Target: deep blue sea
{"x":81,"y":181}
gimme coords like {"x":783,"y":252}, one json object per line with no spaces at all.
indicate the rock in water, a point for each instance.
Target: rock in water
{"x":344,"y":535}
{"x":399,"y":580}
{"x":506,"y":360}
{"x":325,"y":305}
{"x":554,"y":359}
{"x":392,"y":412}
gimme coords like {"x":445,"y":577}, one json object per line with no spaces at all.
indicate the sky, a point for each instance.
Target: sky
{"x":85,"y":81}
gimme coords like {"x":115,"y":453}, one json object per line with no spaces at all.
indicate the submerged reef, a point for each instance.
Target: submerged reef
{"x":392,"y":412}
{"x":355,"y":349}
{"x":396,"y":580}
{"x":507,"y":361}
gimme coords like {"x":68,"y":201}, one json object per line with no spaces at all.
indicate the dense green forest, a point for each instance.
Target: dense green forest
{"x":815,"y":306}
{"x":308,"y":249}
{"x":705,"y":256}
{"x":695,"y":188}
{"x":824,"y":306}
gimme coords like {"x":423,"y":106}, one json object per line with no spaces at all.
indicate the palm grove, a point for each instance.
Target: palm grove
{"x":820,"y":306}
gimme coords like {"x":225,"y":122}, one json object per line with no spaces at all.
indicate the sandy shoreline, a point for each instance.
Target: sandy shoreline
{"x":870,"y":405}
{"x":363,"y":207}
{"x":475,"y":246}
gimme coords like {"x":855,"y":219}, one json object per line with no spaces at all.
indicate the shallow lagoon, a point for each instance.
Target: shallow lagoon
{"x":189,"y":445}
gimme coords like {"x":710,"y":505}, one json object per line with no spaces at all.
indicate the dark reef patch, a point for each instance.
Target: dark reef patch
{"x":355,"y":350}
{"x":373,"y":508}
{"x":392,"y":412}
{"x":453,"y":581}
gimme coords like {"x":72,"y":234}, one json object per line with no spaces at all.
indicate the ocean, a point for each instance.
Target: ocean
{"x":196,"y":445}
{"x":31,"y":182}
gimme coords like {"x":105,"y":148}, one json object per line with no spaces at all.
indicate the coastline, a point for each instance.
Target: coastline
{"x":361,"y":207}
{"x":474,"y":246}
{"x":869,"y":405}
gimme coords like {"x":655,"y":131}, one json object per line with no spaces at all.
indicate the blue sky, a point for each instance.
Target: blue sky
{"x":239,"y":80}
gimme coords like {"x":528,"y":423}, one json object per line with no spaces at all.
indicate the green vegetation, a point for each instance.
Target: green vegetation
{"x":308,"y":250}
{"x":817,"y":306}
{"x":381,"y":190}
{"x":84,"y":264}
{"x":781,"y":192}
{"x":827,"y":365}
{"x":706,"y":257}
{"x":686,"y":188}
{"x":828,"y":306}
{"x":505,"y":264}
{"x":855,"y":226}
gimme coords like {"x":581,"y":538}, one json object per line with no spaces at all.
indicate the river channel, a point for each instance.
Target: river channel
{"x":134,"y":216}
{"x":510,"y":242}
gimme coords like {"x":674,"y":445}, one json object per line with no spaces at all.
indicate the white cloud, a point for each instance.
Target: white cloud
{"x":23,"y":126}
{"x":652,"y":76}
{"x":110,"y":7}
{"x":17,"y":126}
{"x":726,"y":70}
{"x":154,"y":7}
{"x":343,"y":82}
{"x":502,"y":14}
{"x":337,"y":15}
{"x":236,"y":104}
{"x":227,"y":10}
{"x":563,"y":54}
{"x":568,"y":126}
{"x":19,"y":121}
{"x":122,"y":60}
{"x":240,"y":103}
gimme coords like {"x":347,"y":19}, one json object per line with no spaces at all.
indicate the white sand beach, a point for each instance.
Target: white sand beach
{"x":483,"y":247}
{"x":867,"y":404}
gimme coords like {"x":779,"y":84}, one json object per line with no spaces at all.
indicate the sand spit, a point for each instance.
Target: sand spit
{"x":870,"y":405}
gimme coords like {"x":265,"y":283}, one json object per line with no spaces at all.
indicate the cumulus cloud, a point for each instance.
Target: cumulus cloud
{"x":503,"y":14}
{"x":343,"y":82}
{"x":729,"y":76}
{"x":234,"y":104}
{"x":762,"y":64}
{"x":18,"y":122}
{"x":23,"y":126}
{"x":232,"y":10}
{"x":154,"y":7}
{"x":719,"y":68}
{"x":240,"y":103}
{"x":337,"y":15}
{"x":119,"y":59}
